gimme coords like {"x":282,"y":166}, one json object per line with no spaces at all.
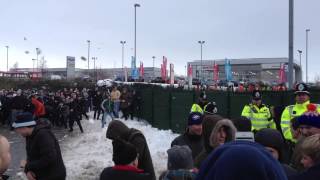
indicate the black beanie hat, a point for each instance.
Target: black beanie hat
{"x":123,"y":152}
{"x":243,"y":124}
{"x":270,"y":138}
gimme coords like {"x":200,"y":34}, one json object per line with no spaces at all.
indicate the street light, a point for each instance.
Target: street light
{"x":153,"y":59}
{"x":38,"y":51}
{"x":122,"y":42}
{"x":135,"y":30}
{"x":94,"y":67}
{"x":300,"y":52}
{"x":7,"y":57}
{"x":307,"y":33}
{"x":88,"y":41}
{"x":201,"y":69}
{"x":33,"y":60}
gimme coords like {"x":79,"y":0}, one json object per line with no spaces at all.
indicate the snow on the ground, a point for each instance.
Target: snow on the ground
{"x":86,"y":155}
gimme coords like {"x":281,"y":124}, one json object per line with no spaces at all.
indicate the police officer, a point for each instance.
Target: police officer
{"x":302,"y":98}
{"x":199,"y":106}
{"x":258,"y":113}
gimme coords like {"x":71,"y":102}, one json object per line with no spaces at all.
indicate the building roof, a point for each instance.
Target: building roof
{"x":248,"y":61}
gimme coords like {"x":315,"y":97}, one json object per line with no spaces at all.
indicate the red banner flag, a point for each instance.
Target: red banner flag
{"x":282,"y":75}
{"x":215,"y":72}
{"x":164,"y":64}
{"x":189,"y":71}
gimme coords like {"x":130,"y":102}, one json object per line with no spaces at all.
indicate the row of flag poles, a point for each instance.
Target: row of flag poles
{"x":137,"y":73}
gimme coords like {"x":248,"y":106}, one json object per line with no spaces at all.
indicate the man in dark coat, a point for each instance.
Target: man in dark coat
{"x":44,"y":160}
{"x":125,"y":158}
{"x":118,"y":129}
{"x":193,"y":135}
{"x":74,"y":113}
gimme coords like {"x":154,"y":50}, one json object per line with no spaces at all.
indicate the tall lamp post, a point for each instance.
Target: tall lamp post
{"x":307,"y":45}
{"x":201,"y":69}
{"x":135,"y":30}
{"x":291,"y":43}
{"x":94,"y":68}
{"x":300,"y":53}
{"x":153,"y":59}
{"x":123,"y":43}
{"x":88,"y":41}
{"x":7,"y":58}
{"x":38,"y":52}
{"x":33,"y":61}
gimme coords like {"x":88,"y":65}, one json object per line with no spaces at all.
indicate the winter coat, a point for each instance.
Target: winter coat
{"x":124,"y":173}
{"x":74,"y":110}
{"x":297,"y":155}
{"x":238,"y":160}
{"x":96,"y":100}
{"x":313,"y":173}
{"x":125,"y":100}
{"x":212,"y":144}
{"x":195,"y":143}
{"x":19,"y":102}
{"x":182,"y":174}
{"x":44,"y":155}
{"x":39,"y":108}
{"x":107,"y":105}
{"x":117,"y":129}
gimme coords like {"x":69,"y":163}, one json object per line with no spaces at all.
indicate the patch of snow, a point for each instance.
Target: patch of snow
{"x":86,"y":155}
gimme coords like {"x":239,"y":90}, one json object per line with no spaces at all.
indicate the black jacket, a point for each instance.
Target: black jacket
{"x":117,"y":129}
{"x":44,"y":155}
{"x":114,"y":174}
{"x":312,"y":173}
{"x":194,"y":142}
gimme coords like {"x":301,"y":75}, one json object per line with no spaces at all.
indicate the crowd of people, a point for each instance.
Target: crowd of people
{"x":259,"y":144}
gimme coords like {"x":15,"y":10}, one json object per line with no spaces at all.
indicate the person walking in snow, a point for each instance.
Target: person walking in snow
{"x":74,"y":113}
{"x":44,"y":159}
{"x":118,"y":130}
{"x":107,"y":107}
{"x":125,"y":158}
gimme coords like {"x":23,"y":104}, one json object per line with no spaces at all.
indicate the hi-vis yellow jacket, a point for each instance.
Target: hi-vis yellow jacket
{"x":260,"y":117}
{"x":196,"y":108}
{"x":289,"y":113}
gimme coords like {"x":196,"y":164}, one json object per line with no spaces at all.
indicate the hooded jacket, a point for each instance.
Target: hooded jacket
{"x":118,"y":129}
{"x":209,"y":122}
{"x":312,"y":173}
{"x":44,"y":155}
{"x":230,"y":132}
{"x":240,"y":160}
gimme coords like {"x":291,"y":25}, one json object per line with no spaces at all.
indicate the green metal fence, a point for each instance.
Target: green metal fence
{"x":168,"y":108}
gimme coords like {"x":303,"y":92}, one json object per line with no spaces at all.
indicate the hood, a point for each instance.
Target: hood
{"x":241,"y":160}
{"x":209,"y":122}
{"x":117,"y":129}
{"x":230,"y":132}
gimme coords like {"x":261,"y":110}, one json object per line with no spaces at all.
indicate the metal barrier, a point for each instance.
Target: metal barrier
{"x":168,"y":108}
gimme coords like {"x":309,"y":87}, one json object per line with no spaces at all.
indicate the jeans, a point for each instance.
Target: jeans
{"x":104,"y":118}
{"x":116,"y":106}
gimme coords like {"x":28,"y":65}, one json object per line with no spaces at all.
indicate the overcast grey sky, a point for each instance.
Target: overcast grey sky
{"x":171,"y":28}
